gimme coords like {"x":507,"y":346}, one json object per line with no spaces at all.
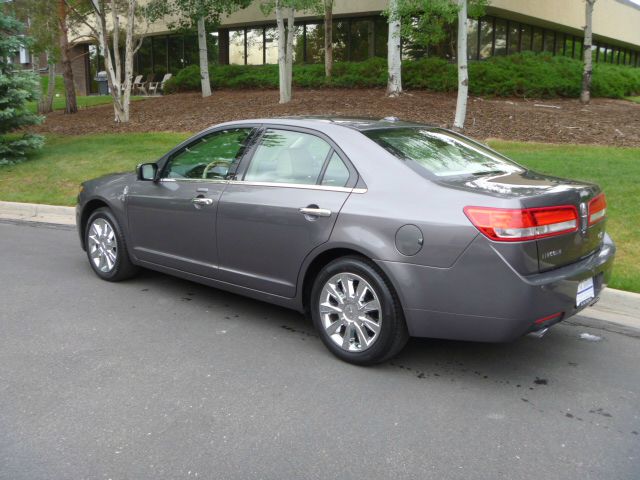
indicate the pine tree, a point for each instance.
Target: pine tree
{"x":17,"y":87}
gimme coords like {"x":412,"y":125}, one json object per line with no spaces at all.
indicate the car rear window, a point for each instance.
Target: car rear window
{"x":440,"y":152}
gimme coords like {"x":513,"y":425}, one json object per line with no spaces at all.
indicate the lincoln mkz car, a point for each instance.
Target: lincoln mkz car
{"x":377,"y":229}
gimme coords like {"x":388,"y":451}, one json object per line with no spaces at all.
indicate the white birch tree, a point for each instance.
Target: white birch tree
{"x":394,"y":58}
{"x":585,"y":94}
{"x":463,"y":72}
{"x":286,"y":12}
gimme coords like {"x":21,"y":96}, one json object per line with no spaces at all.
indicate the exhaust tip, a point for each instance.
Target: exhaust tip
{"x":538,"y":333}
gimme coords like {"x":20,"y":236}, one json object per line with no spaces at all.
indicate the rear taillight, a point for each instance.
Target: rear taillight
{"x":516,"y":225}
{"x":597,"y":209}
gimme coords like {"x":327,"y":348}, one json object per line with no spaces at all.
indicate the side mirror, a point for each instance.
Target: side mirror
{"x":147,"y":171}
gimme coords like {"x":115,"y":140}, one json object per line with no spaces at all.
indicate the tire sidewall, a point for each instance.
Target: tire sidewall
{"x":392,"y":318}
{"x":106,"y":214}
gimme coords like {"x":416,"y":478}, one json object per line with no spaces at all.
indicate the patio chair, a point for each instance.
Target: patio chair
{"x":144,"y":86}
{"x":137,"y":84}
{"x":154,"y":87}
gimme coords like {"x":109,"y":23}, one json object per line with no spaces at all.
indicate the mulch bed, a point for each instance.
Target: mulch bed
{"x":604,"y":121}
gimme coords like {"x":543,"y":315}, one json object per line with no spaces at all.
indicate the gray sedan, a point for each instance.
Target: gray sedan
{"x":377,"y":229}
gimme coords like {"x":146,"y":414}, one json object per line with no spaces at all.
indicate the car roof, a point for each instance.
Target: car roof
{"x":354,"y":123}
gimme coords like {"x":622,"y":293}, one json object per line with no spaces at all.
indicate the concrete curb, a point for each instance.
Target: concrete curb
{"x":33,"y":212}
{"x":615,"y":306}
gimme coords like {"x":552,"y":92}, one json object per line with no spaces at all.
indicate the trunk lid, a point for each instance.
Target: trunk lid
{"x":534,"y":190}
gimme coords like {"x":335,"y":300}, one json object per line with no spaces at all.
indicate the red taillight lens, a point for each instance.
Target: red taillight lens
{"x":597,"y":209}
{"x":516,"y":225}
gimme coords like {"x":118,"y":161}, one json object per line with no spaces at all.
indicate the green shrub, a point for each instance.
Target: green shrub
{"x":521,"y":75}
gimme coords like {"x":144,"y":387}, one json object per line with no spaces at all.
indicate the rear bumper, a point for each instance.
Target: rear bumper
{"x":481,"y":298}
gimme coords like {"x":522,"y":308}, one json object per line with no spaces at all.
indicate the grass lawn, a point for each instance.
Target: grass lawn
{"x":617,"y":171}
{"x":83,"y":101}
{"x":53,"y":176}
{"x":634,"y":99}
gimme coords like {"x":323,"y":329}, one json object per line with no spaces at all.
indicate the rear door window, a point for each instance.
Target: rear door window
{"x":284,"y":156}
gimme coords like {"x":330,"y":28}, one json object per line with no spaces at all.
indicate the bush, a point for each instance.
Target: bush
{"x":17,"y":88}
{"x":522,"y":75}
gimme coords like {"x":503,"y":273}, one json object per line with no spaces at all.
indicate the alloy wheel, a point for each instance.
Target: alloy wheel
{"x":350,"y":312}
{"x":102,"y":244}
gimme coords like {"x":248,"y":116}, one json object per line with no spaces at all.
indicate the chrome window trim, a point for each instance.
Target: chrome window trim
{"x":305,"y":186}
{"x":200,"y":180}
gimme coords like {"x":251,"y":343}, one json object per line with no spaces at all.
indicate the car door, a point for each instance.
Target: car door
{"x":172,"y":221}
{"x":282,"y":205}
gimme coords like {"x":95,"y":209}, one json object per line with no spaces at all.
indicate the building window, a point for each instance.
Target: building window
{"x":362,"y":40}
{"x":270,"y":45}
{"x":486,"y":38}
{"x":381,"y":30}
{"x":159,"y":45}
{"x":341,"y":41}
{"x":513,"y":38}
{"x":314,"y":43}
{"x":500,"y":47}
{"x":526,"y":38}
{"x":255,"y":46}
{"x":176,"y":53}
{"x":236,"y":47}
{"x":472,"y":39}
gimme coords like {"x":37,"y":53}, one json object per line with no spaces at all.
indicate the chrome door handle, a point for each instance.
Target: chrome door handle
{"x":315,"y":212}
{"x":202,"y":201}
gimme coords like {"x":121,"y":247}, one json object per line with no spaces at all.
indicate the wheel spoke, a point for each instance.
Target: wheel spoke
{"x":370,"y":306}
{"x":334,"y":327}
{"x":370,"y":324}
{"x":333,"y":291}
{"x":346,"y":340}
{"x":326,"y":308}
{"x":348,"y":286}
{"x":363,"y":338}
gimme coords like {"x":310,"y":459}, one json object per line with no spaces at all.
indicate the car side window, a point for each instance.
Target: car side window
{"x":337,"y":173}
{"x":284,"y":156}
{"x":210,"y":157}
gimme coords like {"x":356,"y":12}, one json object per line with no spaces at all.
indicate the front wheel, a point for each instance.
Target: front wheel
{"x":357,"y":312}
{"x":106,"y":247}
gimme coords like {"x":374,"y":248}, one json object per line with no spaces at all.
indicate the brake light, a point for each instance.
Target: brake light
{"x":597,"y":209}
{"x":516,"y":225}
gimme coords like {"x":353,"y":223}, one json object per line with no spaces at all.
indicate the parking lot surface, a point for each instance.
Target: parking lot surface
{"x":160,"y":378}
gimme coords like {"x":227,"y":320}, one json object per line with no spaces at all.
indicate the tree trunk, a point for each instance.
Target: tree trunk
{"x":71,"y":105}
{"x":394,"y":60}
{"x":51,"y":87}
{"x":282,"y":61}
{"x":35,"y":68}
{"x":289,"y":60}
{"x":204,"y":60}
{"x":328,"y":37}
{"x":585,"y":95}
{"x":463,"y":72}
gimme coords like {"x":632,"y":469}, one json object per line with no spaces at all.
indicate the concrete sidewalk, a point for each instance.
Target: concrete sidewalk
{"x":615,"y":306}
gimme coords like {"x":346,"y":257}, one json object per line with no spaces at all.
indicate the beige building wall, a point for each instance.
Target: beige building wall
{"x":617,"y":20}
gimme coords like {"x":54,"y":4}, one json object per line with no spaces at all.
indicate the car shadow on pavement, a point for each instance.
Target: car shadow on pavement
{"x":519,"y":363}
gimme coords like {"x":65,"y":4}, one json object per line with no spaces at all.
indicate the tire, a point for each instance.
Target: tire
{"x":106,"y":247}
{"x":343,"y":309}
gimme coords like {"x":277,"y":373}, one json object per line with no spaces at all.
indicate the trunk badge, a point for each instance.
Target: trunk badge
{"x":583,"y":218}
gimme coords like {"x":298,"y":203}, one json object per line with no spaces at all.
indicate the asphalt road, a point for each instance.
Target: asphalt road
{"x":161,"y":378}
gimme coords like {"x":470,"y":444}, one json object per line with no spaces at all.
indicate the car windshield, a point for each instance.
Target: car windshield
{"x":441,"y":153}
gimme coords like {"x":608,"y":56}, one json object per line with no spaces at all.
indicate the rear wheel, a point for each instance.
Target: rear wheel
{"x":106,"y":247}
{"x":357,"y":313}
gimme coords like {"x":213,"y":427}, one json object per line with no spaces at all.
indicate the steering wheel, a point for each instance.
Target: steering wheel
{"x":212,"y":165}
